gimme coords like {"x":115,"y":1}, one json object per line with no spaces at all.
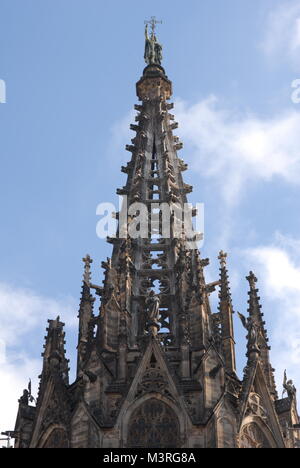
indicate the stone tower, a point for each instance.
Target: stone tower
{"x":156,"y":366}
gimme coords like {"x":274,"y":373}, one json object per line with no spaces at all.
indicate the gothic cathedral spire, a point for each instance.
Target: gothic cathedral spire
{"x":156,"y":366}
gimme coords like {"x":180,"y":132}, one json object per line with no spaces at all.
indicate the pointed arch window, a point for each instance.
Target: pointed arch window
{"x":57,"y":439}
{"x":252,"y":436}
{"x":153,"y":425}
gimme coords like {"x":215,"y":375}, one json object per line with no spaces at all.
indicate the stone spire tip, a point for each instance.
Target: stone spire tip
{"x":223,"y":258}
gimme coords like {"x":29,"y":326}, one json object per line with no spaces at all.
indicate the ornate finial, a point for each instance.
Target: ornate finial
{"x":224,"y":293}
{"x":252,"y":279}
{"x":87,"y":268}
{"x":153,"y":50}
{"x":223,"y":258}
{"x":87,"y":260}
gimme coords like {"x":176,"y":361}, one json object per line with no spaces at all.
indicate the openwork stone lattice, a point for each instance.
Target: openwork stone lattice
{"x":256,"y":406}
{"x":154,"y":425}
{"x":253,"y":437}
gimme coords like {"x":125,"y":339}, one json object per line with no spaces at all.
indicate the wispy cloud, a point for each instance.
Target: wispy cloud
{"x":23,"y":318}
{"x":278,"y":267}
{"x":14,"y":378}
{"x":233,"y":148}
{"x":22,"y":310}
{"x":282,"y":33}
{"x":120,"y":136}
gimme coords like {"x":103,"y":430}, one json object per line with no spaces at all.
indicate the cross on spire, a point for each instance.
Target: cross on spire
{"x":252,"y":279}
{"x":153,"y":22}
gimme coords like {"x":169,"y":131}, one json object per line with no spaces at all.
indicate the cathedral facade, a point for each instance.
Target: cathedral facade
{"x":156,"y":365}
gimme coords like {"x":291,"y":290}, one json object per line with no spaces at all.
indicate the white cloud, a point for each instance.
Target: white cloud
{"x":282,"y":33}
{"x":14,"y":378}
{"x":120,"y":136}
{"x":21,"y":310}
{"x":23,"y":315}
{"x":233,"y":148}
{"x":279,"y":281}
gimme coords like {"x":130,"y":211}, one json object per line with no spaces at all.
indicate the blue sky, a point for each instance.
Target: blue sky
{"x":70,"y":69}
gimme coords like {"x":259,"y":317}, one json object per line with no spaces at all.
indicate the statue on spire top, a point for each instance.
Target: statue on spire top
{"x":153,"y":49}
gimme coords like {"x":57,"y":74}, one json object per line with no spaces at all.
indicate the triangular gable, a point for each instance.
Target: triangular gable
{"x":153,"y":377}
{"x":53,"y":408}
{"x":257,"y":401}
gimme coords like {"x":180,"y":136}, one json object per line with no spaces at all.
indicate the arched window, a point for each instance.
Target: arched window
{"x":252,"y":436}
{"x":153,"y":425}
{"x":57,"y":439}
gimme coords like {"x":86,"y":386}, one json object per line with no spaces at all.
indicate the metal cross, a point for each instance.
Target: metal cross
{"x":153,"y":22}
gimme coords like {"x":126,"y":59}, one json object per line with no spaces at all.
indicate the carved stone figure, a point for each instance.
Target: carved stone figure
{"x":24,"y":400}
{"x":152,"y":303}
{"x":253,"y":331}
{"x":153,"y":50}
{"x":289,"y":387}
{"x":27,"y":396}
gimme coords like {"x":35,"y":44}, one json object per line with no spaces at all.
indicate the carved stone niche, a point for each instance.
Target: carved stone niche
{"x":153,"y":425}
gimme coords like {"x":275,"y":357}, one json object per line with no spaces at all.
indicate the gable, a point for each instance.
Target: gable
{"x":153,"y":381}
{"x":52,"y":411}
{"x":258,"y":415}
